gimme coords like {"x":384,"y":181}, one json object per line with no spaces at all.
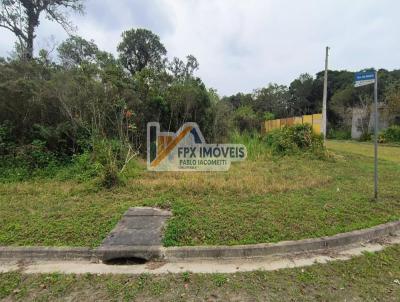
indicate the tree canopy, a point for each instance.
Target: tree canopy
{"x":141,"y":48}
{"x":22,"y":18}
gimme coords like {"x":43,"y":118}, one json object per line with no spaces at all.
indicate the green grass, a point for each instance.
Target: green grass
{"x":385,"y":152}
{"x":264,"y":199}
{"x":371,"y":277}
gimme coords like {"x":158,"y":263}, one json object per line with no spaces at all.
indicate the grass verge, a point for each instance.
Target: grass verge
{"x":371,"y":277}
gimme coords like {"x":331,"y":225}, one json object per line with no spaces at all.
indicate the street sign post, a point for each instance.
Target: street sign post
{"x":362,"y":79}
{"x":325,"y":95}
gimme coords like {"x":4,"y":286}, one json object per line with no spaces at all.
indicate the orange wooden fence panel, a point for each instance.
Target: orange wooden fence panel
{"x":315,"y":120}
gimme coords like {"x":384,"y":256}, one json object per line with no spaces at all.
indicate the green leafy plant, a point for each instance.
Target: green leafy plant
{"x":390,"y":135}
{"x":294,"y":139}
{"x":341,"y":134}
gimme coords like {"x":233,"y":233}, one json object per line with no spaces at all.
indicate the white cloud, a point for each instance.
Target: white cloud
{"x":242,"y":45}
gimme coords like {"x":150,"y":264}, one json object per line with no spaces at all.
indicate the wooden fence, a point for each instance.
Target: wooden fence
{"x":315,"y":120}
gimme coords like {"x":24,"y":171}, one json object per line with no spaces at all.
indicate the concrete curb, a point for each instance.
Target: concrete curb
{"x":204,"y":252}
{"x":283,"y":247}
{"x":148,"y":252}
{"x":45,"y":253}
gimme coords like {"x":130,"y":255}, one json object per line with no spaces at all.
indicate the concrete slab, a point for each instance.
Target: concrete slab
{"x":147,"y":211}
{"x":137,"y":235}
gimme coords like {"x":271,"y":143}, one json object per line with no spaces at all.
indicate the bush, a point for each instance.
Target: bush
{"x":81,"y":168}
{"x":112,"y":155}
{"x":35,"y":155}
{"x":340,"y":134}
{"x":365,"y":137}
{"x":7,"y":144}
{"x":110,"y":177}
{"x":390,"y":135}
{"x":294,"y":139}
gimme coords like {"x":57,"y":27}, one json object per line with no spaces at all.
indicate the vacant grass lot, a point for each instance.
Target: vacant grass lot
{"x":385,"y":152}
{"x":372,"y":277}
{"x":264,"y":199}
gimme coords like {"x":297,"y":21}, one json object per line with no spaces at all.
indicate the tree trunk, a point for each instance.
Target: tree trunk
{"x":29,"y":43}
{"x":33,"y":21}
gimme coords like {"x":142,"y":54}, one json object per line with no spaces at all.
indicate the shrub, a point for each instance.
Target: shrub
{"x":340,"y":134}
{"x":110,"y":177}
{"x":82,"y":168}
{"x":245,"y":119}
{"x":294,"y":139}
{"x":108,"y":150}
{"x":7,"y":144}
{"x":390,"y":135}
{"x":28,"y":161}
{"x":113,"y":155}
{"x":35,"y":155}
{"x":365,"y":137}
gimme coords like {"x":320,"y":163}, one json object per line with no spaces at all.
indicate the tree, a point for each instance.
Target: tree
{"x":275,"y":99}
{"x":238,"y":100}
{"x":392,"y":96}
{"x":76,"y":50}
{"x":246,"y":119}
{"x":22,"y":18}
{"x":182,"y":70}
{"x":141,"y":48}
{"x":301,"y":91}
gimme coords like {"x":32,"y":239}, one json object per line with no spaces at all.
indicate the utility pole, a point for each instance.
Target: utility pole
{"x":376,"y":137}
{"x":325,"y":96}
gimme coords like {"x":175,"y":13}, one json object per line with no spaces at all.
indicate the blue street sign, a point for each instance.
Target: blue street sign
{"x":364,"y":78}
{"x":368,"y":75}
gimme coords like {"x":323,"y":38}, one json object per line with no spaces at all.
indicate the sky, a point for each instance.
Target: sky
{"x":242,"y":45}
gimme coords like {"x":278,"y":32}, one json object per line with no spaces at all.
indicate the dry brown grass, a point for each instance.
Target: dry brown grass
{"x":243,"y":178}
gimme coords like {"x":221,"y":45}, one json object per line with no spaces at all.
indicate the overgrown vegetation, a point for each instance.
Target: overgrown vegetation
{"x":266,"y":198}
{"x":390,"y":135}
{"x":87,"y":102}
{"x":72,"y":122}
{"x":85,"y":106}
{"x":295,"y":139}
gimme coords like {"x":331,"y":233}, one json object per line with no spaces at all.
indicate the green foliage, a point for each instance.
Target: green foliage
{"x":9,"y":284}
{"x":341,"y":134}
{"x":256,"y":148}
{"x":52,"y":112}
{"x":268,"y":116}
{"x":303,"y":95}
{"x":186,"y":277}
{"x":365,"y":137}
{"x":245,"y":119}
{"x":23,"y":17}
{"x":7,"y":142}
{"x":295,"y":139}
{"x":35,"y":155}
{"x":390,"y":135}
{"x":82,"y":168}
{"x":76,"y":51}
{"x":141,"y":48}
{"x":219,"y":279}
{"x":110,"y":177}
{"x":21,"y":162}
